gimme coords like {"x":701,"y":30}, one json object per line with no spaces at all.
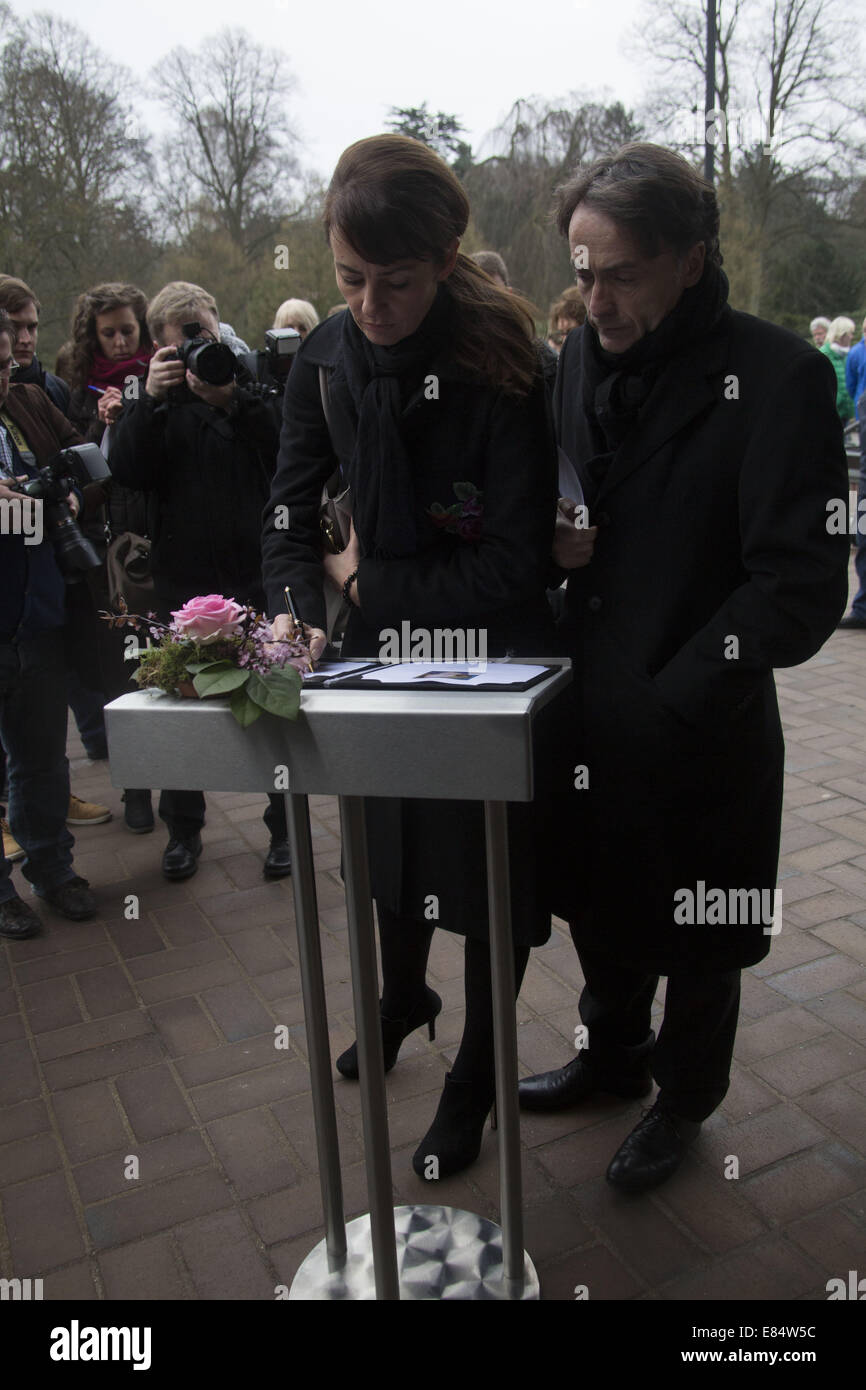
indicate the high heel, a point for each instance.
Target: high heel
{"x":394,"y":1032}
{"x":453,"y":1141}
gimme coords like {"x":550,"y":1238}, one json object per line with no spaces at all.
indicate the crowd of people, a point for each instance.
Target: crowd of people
{"x":685,"y":558}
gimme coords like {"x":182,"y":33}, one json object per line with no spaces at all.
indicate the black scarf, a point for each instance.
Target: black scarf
{"x":616,"y":385}
{"x":379,"y":381}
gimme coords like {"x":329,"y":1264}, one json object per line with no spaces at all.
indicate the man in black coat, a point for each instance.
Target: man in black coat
{"x":208,"y":450}
{"x":711,"y":460}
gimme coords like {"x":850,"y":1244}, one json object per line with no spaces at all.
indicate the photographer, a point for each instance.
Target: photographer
{"x":32,"y":671}
{"x":208,"y":449}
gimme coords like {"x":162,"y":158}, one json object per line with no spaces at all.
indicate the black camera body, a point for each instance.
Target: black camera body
{"x":271,"y":365}
{"x":74,"y":467}
{"x":208,"y":360}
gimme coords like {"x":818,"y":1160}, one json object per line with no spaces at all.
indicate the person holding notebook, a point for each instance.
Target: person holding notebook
{"x":429,"y":396}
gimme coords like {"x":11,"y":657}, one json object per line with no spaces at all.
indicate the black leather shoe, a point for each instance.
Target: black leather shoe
{"x":852,"y":620}
{"x":453,"y":1141}
{"x":394,"y":1031}
{"x":279,"y":861}
{"x":72,"y":899}
{"x":18,"y":921}
{"x":179,"y":859}
{"x":653,"y":1151}
{"x":137,"y":810}
{"x":573,"y":1083}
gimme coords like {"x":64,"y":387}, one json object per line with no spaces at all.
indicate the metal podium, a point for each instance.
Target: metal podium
{"x":352,"y":744}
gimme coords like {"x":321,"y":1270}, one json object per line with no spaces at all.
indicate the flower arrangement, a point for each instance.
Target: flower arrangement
{"x":215,"y":646}
{"x":463,"y":517}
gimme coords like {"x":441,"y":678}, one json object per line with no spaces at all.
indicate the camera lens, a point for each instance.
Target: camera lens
{"x":214,"y":363}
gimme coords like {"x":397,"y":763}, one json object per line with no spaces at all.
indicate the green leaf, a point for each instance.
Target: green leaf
{"x":219,"y":679}
{"x":279,"y":692}
{"x":464,"y":491}
{"x":245,"y":710}
{"x":195,"y":666}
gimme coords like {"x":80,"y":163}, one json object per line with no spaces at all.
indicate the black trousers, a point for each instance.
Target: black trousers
{"x":691,"y":1059}
{"x":183,"y":813}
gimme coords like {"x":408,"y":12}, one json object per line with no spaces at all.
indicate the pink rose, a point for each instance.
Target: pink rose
{"x":208,"y":618}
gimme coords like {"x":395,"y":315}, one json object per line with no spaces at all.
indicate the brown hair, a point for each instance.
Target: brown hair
{"x":14,"y":294}
{"x":492,"y":264}
{"x":101,"y":299}
{"x":653,"y":193}
{"x":392,"y":198}
{"x":569,"y":305}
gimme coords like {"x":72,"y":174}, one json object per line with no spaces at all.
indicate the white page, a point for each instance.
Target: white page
{"x":456,"y":673}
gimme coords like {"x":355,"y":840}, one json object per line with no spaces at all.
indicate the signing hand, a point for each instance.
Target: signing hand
{"x":110,"y":405}
{"x":572,"y":545}
{"x":283,"y":628}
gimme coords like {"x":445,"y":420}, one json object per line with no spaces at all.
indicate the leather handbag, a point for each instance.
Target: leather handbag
{"x":335,"y":519}
{"x":127,"y":570}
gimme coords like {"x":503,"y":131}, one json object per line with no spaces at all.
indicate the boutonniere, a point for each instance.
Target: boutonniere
{"x":463,"y":517}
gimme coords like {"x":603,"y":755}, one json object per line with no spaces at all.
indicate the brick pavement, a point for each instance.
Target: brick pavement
{"x":151,"y":1040}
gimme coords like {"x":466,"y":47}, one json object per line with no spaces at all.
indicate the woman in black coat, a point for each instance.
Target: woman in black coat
{"x":439,"y":422}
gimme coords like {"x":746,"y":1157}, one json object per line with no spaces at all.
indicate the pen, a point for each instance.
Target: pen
{"x":98,"y":389}
{"x":293,"y":614}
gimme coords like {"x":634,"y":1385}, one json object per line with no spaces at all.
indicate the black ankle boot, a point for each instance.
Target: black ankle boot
{"x":453,"y":1141}
{"x":394,"y":1031}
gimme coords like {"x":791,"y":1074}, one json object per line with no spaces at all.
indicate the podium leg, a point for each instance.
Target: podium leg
{"x":371,"y":1065}
{"x":316,"y":1019}
{"x":505,"y":1045}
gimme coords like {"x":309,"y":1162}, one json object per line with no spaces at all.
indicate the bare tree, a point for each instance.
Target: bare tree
{"x":536,"y":146}
{"x":71,"y":161}
{"x":232,"y":156}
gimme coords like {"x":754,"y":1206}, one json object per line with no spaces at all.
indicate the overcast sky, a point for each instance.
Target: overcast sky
{"x":353,"y":61}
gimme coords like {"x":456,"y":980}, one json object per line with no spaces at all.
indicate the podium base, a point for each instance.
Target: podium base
{"x":442,"y":1252}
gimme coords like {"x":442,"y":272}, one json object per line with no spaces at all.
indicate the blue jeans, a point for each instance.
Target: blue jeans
{"x":858,"y":603}
{"x":33,"y":732}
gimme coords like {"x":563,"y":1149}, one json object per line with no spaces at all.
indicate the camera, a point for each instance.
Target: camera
{"x":74,"y":467}
{"x":270,"y":366}
{"x":209,"y":361}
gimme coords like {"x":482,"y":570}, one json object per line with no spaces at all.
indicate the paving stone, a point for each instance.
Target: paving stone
{"x":22,"y":1121}
{"x":73,"y":1284}
{"x":41,"y":1226}
{"x":183,"y":1026}
{"x":184,"y":982}
{"x":237,"y":1011}
{"x":842,"y":1109}
{"x":845,"y":936}
{"x":811,"y":1064}
{"x":818,"y":977}
{"x":27,"y":1158}
{"x":89,"y":1121}
{"x":125,"y":1055}
{"x":776,"y":1033}
{"x":82,"y":1037}
{"x":711,"y":1207}
{"x":51,"y":1004}
{"x":771,"y":1269}
{"x":833,"y":1239}
{"x":183,"y":924}
{"x":760,"y":1139}
{"x":842,"y":1011}
{"x":595,"y":1269}
{"x":229,"y":1059}
{"x":295,"y":1116}
{"x":180,"y":958}
{"x":747,"y":1095}
{"x":153,"y":1102}
{"x":253,"y":1152}
{"x":162,"y":1158}
{"x":106,"y":991}
{"x":223,"y":1259}
{"x":642,"y":1235}
{"x":146,"y":1270}
{"x":805,"y":1182}
{"x":250,"y":1090}
{"x":134,"y":939}
{"x":18,"y":1076}
{"x":260,"y":952}
{"x":294,"y":1210}
{"x":64,"y":963}
{"x":157,"y":1208}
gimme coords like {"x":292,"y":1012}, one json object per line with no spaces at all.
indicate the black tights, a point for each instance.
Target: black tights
{"x":405,"y":946}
